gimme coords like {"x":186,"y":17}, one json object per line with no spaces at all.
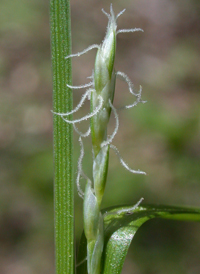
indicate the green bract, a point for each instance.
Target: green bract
{"x":93,"y":228}
{"x":99,"y":122}
{"x":100,"y":169}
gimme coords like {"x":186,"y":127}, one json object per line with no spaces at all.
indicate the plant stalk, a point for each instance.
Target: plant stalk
{"x":60,"y":22}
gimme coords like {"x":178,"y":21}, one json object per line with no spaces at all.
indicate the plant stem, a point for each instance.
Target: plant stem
{"x":63,"y":150}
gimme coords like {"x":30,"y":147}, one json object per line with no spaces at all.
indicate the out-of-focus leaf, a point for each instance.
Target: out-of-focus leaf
{"x":121,"y":224}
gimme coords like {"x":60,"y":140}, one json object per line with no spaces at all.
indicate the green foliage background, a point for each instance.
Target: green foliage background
{"x":160,"y":137}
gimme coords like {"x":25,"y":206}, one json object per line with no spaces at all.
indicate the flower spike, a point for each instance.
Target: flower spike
{"x":100,"y":92}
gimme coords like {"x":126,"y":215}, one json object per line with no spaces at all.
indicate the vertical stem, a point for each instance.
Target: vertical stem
{"x":62,"y":102}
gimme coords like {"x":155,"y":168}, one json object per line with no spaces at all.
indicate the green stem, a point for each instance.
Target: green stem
{"x":62,"y":102}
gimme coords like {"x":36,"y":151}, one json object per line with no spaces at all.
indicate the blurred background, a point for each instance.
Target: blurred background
{"x":161,"y":137}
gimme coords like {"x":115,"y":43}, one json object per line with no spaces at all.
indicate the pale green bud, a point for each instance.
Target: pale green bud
{"x":95,"y":249}
{"x":99,"y":122}
{"x":93,"y":228}
{"x":100,"y":169}
{"x":90,"y":213}
{"x":105,"y":57}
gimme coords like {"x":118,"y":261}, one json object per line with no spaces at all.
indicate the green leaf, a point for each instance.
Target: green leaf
{"x":121,"y":224}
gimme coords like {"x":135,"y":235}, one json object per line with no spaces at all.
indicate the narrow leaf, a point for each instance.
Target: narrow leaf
{"x":121,"y":224}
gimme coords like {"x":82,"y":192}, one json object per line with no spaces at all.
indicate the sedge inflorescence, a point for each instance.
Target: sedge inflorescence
{"x":100,"y":92}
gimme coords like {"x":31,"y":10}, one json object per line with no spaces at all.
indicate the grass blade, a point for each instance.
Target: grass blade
{"x":121,"y":224}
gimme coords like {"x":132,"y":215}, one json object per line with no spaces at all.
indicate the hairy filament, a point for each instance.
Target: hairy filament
{"x":125,"y":210}
{"x":95,"y":46}
{"x":125,"y":78}
{"x":129,"y":30}
{"x":81,"y":262}
{"x":120,"y":13}
{"x":84,"y":118}
{"x":108,"y":141}
{"x":86,"y":134}
{"x":91,"y":76}
{"x":131,"y":209}
{"x":81,"y":86}
{"x":117,"y":16}
{"x":84,"y":97}
{"x":107,"y":14}
{"x":124,"y":164}
{"x":137,"y":100}
{"x":80,"y":170}
{"x":80,"y":192}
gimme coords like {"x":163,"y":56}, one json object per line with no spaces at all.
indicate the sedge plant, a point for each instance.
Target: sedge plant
{"x":107,"y":234}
